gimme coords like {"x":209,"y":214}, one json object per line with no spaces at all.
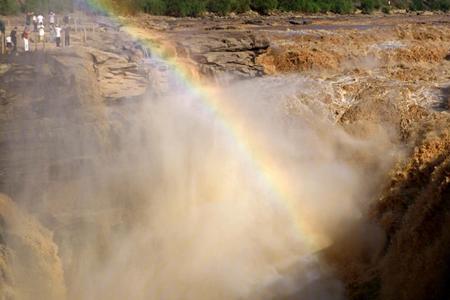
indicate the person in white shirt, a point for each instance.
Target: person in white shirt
{"x":42,"y":35}
{"x":40,"y":19}
{"x":8,"y":44}
{"x":35,"y":22}
{"x":25,"y":36}
{"x":41,"y":32}
{"x":58,"y":35}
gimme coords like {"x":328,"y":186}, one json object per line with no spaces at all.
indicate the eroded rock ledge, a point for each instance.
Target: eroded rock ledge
{"x":232,"y":53}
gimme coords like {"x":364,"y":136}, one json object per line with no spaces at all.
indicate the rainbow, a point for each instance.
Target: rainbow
{"x":235,"y":126}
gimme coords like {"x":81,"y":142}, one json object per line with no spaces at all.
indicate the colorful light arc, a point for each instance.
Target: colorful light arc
{"x":235,"y":127}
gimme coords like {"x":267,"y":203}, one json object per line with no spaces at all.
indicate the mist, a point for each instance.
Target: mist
{"x":167,"y":202}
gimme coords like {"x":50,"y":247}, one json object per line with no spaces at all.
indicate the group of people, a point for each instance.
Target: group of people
{"x":55,"y":28}
{"x":39,"y":29}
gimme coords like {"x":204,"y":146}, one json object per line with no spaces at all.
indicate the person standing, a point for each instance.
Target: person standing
{"x":66,"y":20}
{"x":35,"y":22}
{"x":8,"y":44}
{"x":67,"y":36}
{"x":13,"y":35}
{"x":2,"y":36}
{"x":58,"y":35}
{"x":28,"y":18}
{"x":51,"y":19}
{"x":42,"y":35}
{"x":40,"y":19}
{"x":25,"y":37}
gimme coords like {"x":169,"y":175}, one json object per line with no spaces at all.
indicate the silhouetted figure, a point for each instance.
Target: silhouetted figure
{"x":28,"y":18}
{"x":13,"y":35}
{"x":51,"y":19}
{"x":2,"y":33}
{"x":67,"y":36}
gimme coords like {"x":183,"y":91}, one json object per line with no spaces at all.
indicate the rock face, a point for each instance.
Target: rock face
{"x":228,"y":52}
{"x":117,"y":76}
{"x":40,"y":90}
{"x":54,"y":126}
{"x":29,"y":264}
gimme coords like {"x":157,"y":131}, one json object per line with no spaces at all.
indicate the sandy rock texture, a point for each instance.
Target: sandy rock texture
{"x":30,"y":265}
